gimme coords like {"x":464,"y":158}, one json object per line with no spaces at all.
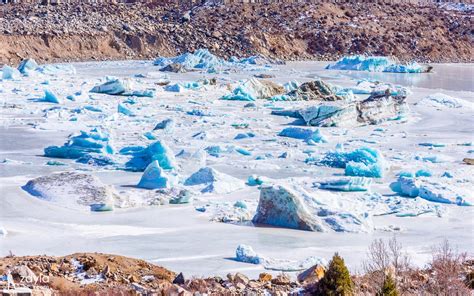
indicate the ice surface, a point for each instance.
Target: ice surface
{"x":57,"y":69}
{"x":123,"y":109}
{"x":213,"y":181}
{"x":375,"y":64}
{"x":154,"y":177}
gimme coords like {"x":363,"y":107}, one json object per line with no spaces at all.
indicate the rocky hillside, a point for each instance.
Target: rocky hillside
{"x":287,"y":31}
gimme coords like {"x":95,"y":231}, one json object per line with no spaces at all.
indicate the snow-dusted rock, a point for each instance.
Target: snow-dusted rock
{"x":380,"y":107}
{"x":72,"y":190}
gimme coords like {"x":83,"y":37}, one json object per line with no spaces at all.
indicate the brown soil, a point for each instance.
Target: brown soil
{"x":293,"y":31}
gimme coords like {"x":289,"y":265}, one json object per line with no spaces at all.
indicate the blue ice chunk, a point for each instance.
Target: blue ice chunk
{"x":240,"y":204}
{"x":92,"y":108}
{"x":55,"y":163}
{"x":250,"y":105}
{"x":291,"y":85}
{"x":243,"y":151}
{"x":255,"y":180}
{"x":154,"y":177}
{"x":71,"y":97}
{"x":436,"y":145}
{"x":101,"y":207}
{"x":406,"y":186}
{"x":347,"y":184}
{"x":113,"y":86}
{"x":423,"y":173}
{"x":244,"y":136}
{"x":27,"y":65}
{"x":199,"y":112}
{"x":303,"y":134}
{"x":447,"y":175}
{"x":9,"y":73}
{"x":405,"y":174}
{"x":177,"y":87}
{"x":121,"y":108}
{"x":50,"y":97}
{"x":362,"y":162}
{"x":149,"y":136}
{"x":246,"y":254}
{"x":167,"y":124}
{"x":214,"y":150}
{"x":87,"y":147}
{"x":375,"y":64}
{"x":239,"y":93}
{"x":158,"y":151}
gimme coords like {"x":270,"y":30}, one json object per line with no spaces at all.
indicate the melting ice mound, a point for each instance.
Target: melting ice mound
{"x":246,"y":254}
{"x":88,"y":147}
{"x":441,"y":192}
{"x":155,"y":177}
{"x":72,"y":190}
{"x":202,"y":59}
{"x":376,"y":64}
{"x":122,"y":87}
{"x":213,"y":181}
{"x":362,"y":162}
{"x":294,"y":208}
{"x":143,"y":156}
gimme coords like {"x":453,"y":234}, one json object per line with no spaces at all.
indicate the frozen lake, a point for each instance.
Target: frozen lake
{"x":183,"y":239}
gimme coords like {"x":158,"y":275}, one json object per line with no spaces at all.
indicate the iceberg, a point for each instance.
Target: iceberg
{"x":254,"y":89}
{"x":246,"y":254}
{"x":154,"y":177}
{"x":166,"y":125}
{"x":213,"y":181}
{"x":9,"y":73}
{"x":440,"y":100}
{"x":376,"y":64}
{"x":303,"y":134}
{"x":113,"y":86}
{"x":142,"y":157}
{"x":328,"y":115}
{"x":294,"y":208}
{"x":430,"y":190}
{"x":121,"y":108}
{"x":346,"y":184}
{"x":362,"y":162}
{"x":50,"y":97}
{"x":85,"y":146}
{"x":27,"y":65}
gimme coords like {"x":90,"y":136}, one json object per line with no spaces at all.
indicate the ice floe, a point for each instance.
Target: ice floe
{"x":376,"y":64}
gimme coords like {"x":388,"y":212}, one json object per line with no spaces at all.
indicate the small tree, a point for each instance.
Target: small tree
{"x":337,"y":280}
{"x":389,"y":288}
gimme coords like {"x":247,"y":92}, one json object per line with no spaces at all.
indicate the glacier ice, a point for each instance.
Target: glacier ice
{"x":444,"y":101}
{"x":142,"y":157}
{"x":287,"y":207}
{"x":346,"y":184}
{"x":113,"y":86}
{"x":375,"y":64}
{"x":9,"y":73}
{"x":50,"y":97}
{"x":254,"y":89}
{"x":214,"y":181}
{"x":155,"y":177}
{"x":121,"y":108}
{"x":362,"y":162}
{"x":330,"y":114}
{"x":84,"y":147}
{"x":383,"y":106}
{"x":431,"y":190}
{"x":246,"y":254}
{"x":27,"y":65}
{"x":303,"y":134}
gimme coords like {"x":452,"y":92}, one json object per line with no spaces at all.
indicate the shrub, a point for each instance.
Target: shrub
{"x":336,"y":280}
{"x":389,"y":288}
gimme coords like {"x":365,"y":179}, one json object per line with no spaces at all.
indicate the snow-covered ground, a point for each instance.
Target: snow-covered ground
{"x":432,"y":139}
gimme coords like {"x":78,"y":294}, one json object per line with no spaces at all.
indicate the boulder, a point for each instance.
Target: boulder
{"x":317,"y":90}
{"x":312,"y":274}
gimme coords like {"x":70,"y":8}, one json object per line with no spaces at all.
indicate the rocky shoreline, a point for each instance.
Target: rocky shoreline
{"x":296,"y":31}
